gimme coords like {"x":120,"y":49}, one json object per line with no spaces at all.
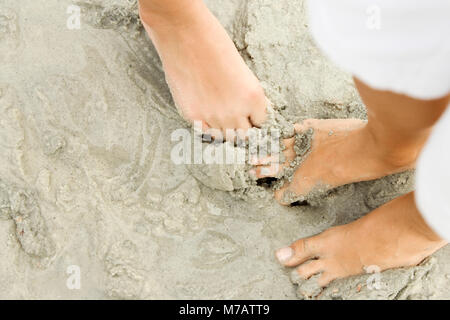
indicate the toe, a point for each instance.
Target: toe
{"x":298,"y":252}
{"x":216,"y":134}
{"x":271,"y":170}
{"x":259,"y":115}
{"x":311,"y":268}
{"x":289,"y":143}
{"x":287,"y":194}
{"x":326,"y":278}
{"x":279,"y":195}
{"x":306,"y":124}
{"x":264,"y":160}
{"x":230,"y":135}
{"x":289,"y":155}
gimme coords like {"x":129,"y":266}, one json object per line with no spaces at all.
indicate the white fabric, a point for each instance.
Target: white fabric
{"x":396,"y":45}
{"x":433,"y":179}
{"x":401,"y":46}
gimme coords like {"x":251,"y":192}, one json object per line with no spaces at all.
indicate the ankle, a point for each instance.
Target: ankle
{"x":394,"y":152}
{"x":402,"y":156}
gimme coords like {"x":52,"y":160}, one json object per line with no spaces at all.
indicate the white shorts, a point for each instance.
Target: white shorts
{"x":401,"y":46}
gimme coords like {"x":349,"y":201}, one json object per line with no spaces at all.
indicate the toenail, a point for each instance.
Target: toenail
{"x":284,"y":254}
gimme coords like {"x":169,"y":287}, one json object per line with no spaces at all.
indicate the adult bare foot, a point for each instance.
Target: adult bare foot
{"x":208,"y":78}
{"x":394,"y":235}
{"x":342,"y":151}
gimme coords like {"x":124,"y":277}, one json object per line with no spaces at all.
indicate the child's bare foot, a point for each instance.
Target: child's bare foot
{"x":208,"y":79}
{"x":343,"y":151}
{"x":394,"y":235}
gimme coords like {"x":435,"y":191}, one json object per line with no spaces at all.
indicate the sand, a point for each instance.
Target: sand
{"x":86,"y":179}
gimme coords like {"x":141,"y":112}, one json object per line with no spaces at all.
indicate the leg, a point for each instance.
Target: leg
{"x":389,"y":142}
{"x":208,"y":78}
{"x":395,"y":234}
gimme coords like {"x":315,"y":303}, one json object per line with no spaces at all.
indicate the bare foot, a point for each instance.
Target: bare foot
{"x":208,"y":78}
{"x":343,"y":151}
{"x":394,"y":235}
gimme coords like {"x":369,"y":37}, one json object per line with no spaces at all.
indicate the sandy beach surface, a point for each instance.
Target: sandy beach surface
{"x":87,"y":183}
